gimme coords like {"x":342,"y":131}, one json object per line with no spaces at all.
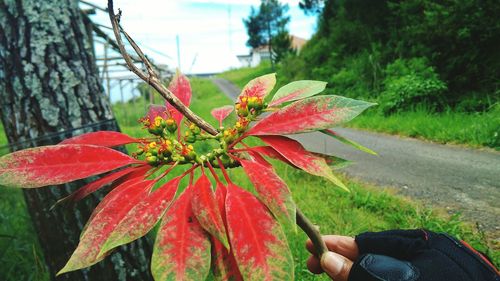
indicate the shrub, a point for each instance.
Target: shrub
{"x":411,"y":83}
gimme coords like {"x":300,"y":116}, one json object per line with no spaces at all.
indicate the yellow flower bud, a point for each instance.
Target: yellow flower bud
{"x":158,"y":121}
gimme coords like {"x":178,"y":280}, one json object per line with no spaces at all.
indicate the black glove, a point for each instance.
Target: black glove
{"x":418,"y":255}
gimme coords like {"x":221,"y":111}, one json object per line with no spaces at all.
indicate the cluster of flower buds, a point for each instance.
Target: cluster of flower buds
{"x":156,"y":152}
{"x":170,"y":146}
{"x":160,"y":126}
{"x":249,"y":106}
{"x":192,"y":134}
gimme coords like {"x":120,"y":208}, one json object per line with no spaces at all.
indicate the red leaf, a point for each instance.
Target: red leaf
{"x":272,"y":190}
{"x":50,"y":165}
{"x":101,"y":138}
{"x":206,"y":210}
{"x":181,"y":88}
{"x":220,"y":197}
{"x":301,"y":158}
{"x":182,"y":247}
{"x":89,"y":188}
{"x":155,"y":111}
{"x":222,"y":113}
{"x":257,"y":240}
{"x":308,"y":115}
{"x":143,"y":216}
{"x":271,"y":153}
{"x":259,"y":87}
{"x":112,"y":209}
{"x":224,"y":264}
{"x":118,"y":186}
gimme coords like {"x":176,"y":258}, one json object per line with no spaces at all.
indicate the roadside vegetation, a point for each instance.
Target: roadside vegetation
{"x":365,"y":208}
{"x":476,"y":129}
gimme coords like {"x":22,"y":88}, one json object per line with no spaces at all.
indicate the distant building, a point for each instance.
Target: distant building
{"x":261,"y":53}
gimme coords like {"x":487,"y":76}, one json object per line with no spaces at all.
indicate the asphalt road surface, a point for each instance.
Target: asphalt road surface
{"x":454,"y":178}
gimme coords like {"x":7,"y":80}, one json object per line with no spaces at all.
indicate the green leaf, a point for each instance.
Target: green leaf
{"x":297,"y":90}
{"x":348,"y":141}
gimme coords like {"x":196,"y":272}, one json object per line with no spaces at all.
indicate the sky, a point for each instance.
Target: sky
{"x":211,"y":33}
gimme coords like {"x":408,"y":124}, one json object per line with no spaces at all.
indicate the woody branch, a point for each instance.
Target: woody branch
{"x":152,"y":79}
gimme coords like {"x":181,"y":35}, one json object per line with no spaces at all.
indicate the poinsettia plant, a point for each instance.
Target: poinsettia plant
{"x":237,"y":232}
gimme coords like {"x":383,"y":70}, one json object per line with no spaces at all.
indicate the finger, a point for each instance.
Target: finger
{"x":343,"y":245}
{"x":314,"y":265}
{"x":336,"y":266}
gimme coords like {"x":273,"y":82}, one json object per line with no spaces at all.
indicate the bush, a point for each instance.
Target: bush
{"x":409,"y":84}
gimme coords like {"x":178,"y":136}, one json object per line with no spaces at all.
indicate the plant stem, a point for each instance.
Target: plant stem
{"x":151,"y":77}
{"x":312,"y":232}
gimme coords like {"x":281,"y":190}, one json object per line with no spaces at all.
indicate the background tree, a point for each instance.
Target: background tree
{"x":282,"y":46}
{"x":254,"y":29}
{"x":266,"y":23}
{"x":311,"y":7}
{"x":444,"y":49}
{"x":50,"y":90}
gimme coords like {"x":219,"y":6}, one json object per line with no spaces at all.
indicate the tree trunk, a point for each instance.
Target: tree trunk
{"x":49,"y":90}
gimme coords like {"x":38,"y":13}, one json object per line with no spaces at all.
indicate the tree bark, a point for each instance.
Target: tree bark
{"x":50,"y":90}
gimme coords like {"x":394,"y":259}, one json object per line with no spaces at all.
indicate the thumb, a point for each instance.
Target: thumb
{"x":336,"y":266}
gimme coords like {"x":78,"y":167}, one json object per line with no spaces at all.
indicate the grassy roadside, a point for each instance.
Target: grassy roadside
{"x":241,"y":76}
{"x":335,"y":211}
{"x":476,"y":130}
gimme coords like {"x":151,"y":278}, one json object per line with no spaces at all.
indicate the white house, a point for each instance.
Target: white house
{"x":261,"y":53}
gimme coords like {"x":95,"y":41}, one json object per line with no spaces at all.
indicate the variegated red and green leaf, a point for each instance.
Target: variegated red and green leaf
{"x":57,"y":164}
{"x":311,"y":114}
{"x":143,"y":216}
{"x":89,"y":188}
{"x":111,"y":211}
{"x":222,"y":113}
{"x":347,"y":141}
{"x":300,"y":157}
{"x":223,"y":262}
{"x":271,"y":189}
{"x":297,"y":90}
{"x":271,"y":153}
{"x":182,"y":247}
{"x":181,"y":88}
{"x":259,"y":87}
{"x":102,"y":138}
{"x":257,"y":240}
{"x":117,"y":187}
{"x":207,"y":212}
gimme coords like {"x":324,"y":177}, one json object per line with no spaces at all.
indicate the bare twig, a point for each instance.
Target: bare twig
{"x":312,"y":232}
{"x":152,"y":78}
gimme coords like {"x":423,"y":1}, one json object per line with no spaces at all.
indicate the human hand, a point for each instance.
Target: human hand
{"x":405,"y":255}
{"x":337,"y":263}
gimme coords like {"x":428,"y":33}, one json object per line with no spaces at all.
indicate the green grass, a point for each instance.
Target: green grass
{"x":365,"y":208}
{"x":21,"y":256}
{"x":241,"y":76}
{"x":480,"y":129}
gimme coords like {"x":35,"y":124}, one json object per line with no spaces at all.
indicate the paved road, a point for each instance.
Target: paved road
{"x":458,"y":179}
